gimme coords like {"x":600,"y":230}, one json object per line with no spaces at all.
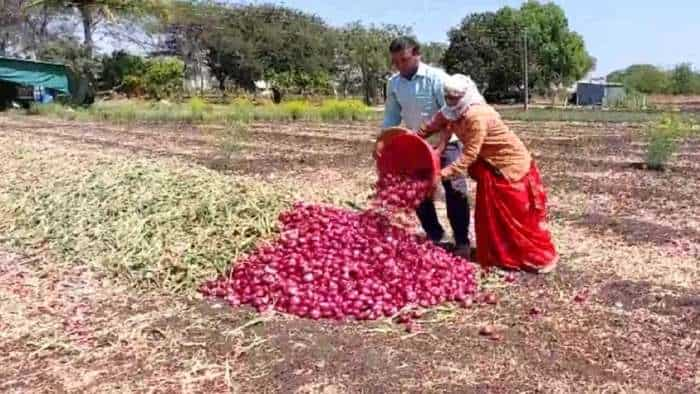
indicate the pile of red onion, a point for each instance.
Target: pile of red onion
{"x":342,"y":264}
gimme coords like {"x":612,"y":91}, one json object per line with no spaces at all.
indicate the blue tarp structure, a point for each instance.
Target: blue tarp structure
{"x":30,"y":73}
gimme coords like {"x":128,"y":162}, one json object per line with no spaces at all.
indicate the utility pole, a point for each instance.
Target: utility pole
{"x":525,"y":72}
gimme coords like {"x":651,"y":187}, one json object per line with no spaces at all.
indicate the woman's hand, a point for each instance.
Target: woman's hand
{"x":445,"y":174}
{"x":440,"y":147}
{"x":378,"y":146}
{"x":422,"y":133}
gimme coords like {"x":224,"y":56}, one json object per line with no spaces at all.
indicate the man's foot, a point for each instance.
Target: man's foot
{"x":448,"y":246}
{"x":464,"y":251}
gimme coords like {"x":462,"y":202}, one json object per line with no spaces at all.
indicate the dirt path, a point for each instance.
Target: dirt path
{"x":622,"y":314}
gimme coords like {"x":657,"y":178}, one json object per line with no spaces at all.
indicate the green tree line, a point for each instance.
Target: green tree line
{"x":298,"y":52}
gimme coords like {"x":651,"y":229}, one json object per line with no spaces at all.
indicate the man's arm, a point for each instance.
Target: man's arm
{"x":439,"y":91}
{"x":438,"y":121}
{"x":392,"y":108}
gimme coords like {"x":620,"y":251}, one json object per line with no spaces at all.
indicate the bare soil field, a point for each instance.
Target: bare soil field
{"x":682,"y":103}
{"x":620,"y":314}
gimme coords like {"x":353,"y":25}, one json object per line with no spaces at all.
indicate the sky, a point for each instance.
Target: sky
{"x":617,"y":32}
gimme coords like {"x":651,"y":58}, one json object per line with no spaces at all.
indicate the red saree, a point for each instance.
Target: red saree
{"x":510,"y":220}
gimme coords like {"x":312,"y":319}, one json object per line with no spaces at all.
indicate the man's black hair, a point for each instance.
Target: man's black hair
{"x":404,"y":42}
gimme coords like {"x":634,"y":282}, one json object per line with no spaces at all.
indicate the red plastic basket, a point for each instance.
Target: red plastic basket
{"x":406,"y":153}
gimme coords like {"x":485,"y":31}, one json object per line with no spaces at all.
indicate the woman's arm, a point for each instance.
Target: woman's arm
{"x":437,"y":123}
{"x":444,"y":140}
{"x":472,"y":133}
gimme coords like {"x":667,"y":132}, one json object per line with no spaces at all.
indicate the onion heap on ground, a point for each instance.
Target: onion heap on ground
{"x":341,"y":264}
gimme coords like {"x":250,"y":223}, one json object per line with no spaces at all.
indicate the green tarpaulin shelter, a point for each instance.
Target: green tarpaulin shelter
{"x":30,"y":73}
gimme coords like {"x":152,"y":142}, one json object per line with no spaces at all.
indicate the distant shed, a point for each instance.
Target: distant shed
{"x":599,"y":93}
{"x":33,"y":73}
{"x":19,"y":76}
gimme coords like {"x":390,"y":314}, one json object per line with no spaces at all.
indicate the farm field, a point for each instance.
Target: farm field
{"x":620,"y":314}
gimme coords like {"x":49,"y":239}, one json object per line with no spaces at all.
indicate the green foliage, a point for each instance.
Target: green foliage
{"x":560,"y":56}
{"x":649,"y":79}
{"x":664,"y":138}
{"x":33,"y":109}
{"x":684,"y":80}
{"x":297,"y":109}
{"x":133,"y":86}
{"x":251,"y":41}
{"x":197,"y":111}
{"x":662,"y":141}
{"x":489,"y":47}
{"x":643,"y":78}
{"x":365,"y":50}
{"x":299,"y":82}
{"x":117,"y":66}
{"x":433,"y":52}
{"x":486,"y":47}
{"x":333,"y":110}
{"x":72,"y":54}
{"x":198,"y":108}
{"x":164,"y":77}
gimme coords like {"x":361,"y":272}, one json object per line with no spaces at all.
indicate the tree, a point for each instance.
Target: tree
{"x":649,"y":79}
{"x":92,"y":12}
{"x":116,"y":67}
{"x":23,"y":30}
{"x":489,"y":47}
{"x":83,"y":66}
{"x":366,"y":49}
{"x":244,"y":43}
{"x":433,"y":52}
{"x":163,"y":77}
{"x":11,"y":19}
{"x":682,"y":79}
{"x":643,"y":78}
{"x":560,"y":54}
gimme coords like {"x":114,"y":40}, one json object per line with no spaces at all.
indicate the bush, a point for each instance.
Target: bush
{"x":197,"y":108}
{"x":298,"y":110}
{"x":133,"y":86}
{"x":117,"y":67}
{"x":332,"y":110}
{"x":164,"y":77}
{"x":240,"y":109}
{"x":229,"y":143}
{"x":663,"y":139}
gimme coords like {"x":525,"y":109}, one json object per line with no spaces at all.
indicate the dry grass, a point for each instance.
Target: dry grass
{"x":155,"y":223}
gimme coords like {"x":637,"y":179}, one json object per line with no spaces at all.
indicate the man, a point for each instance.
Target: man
{"x":414,"y":95}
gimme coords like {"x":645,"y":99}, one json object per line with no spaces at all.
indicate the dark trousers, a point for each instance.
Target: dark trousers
{"x":455,"y":199}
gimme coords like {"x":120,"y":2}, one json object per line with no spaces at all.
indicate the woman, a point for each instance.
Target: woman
{"x":510,"y":209}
